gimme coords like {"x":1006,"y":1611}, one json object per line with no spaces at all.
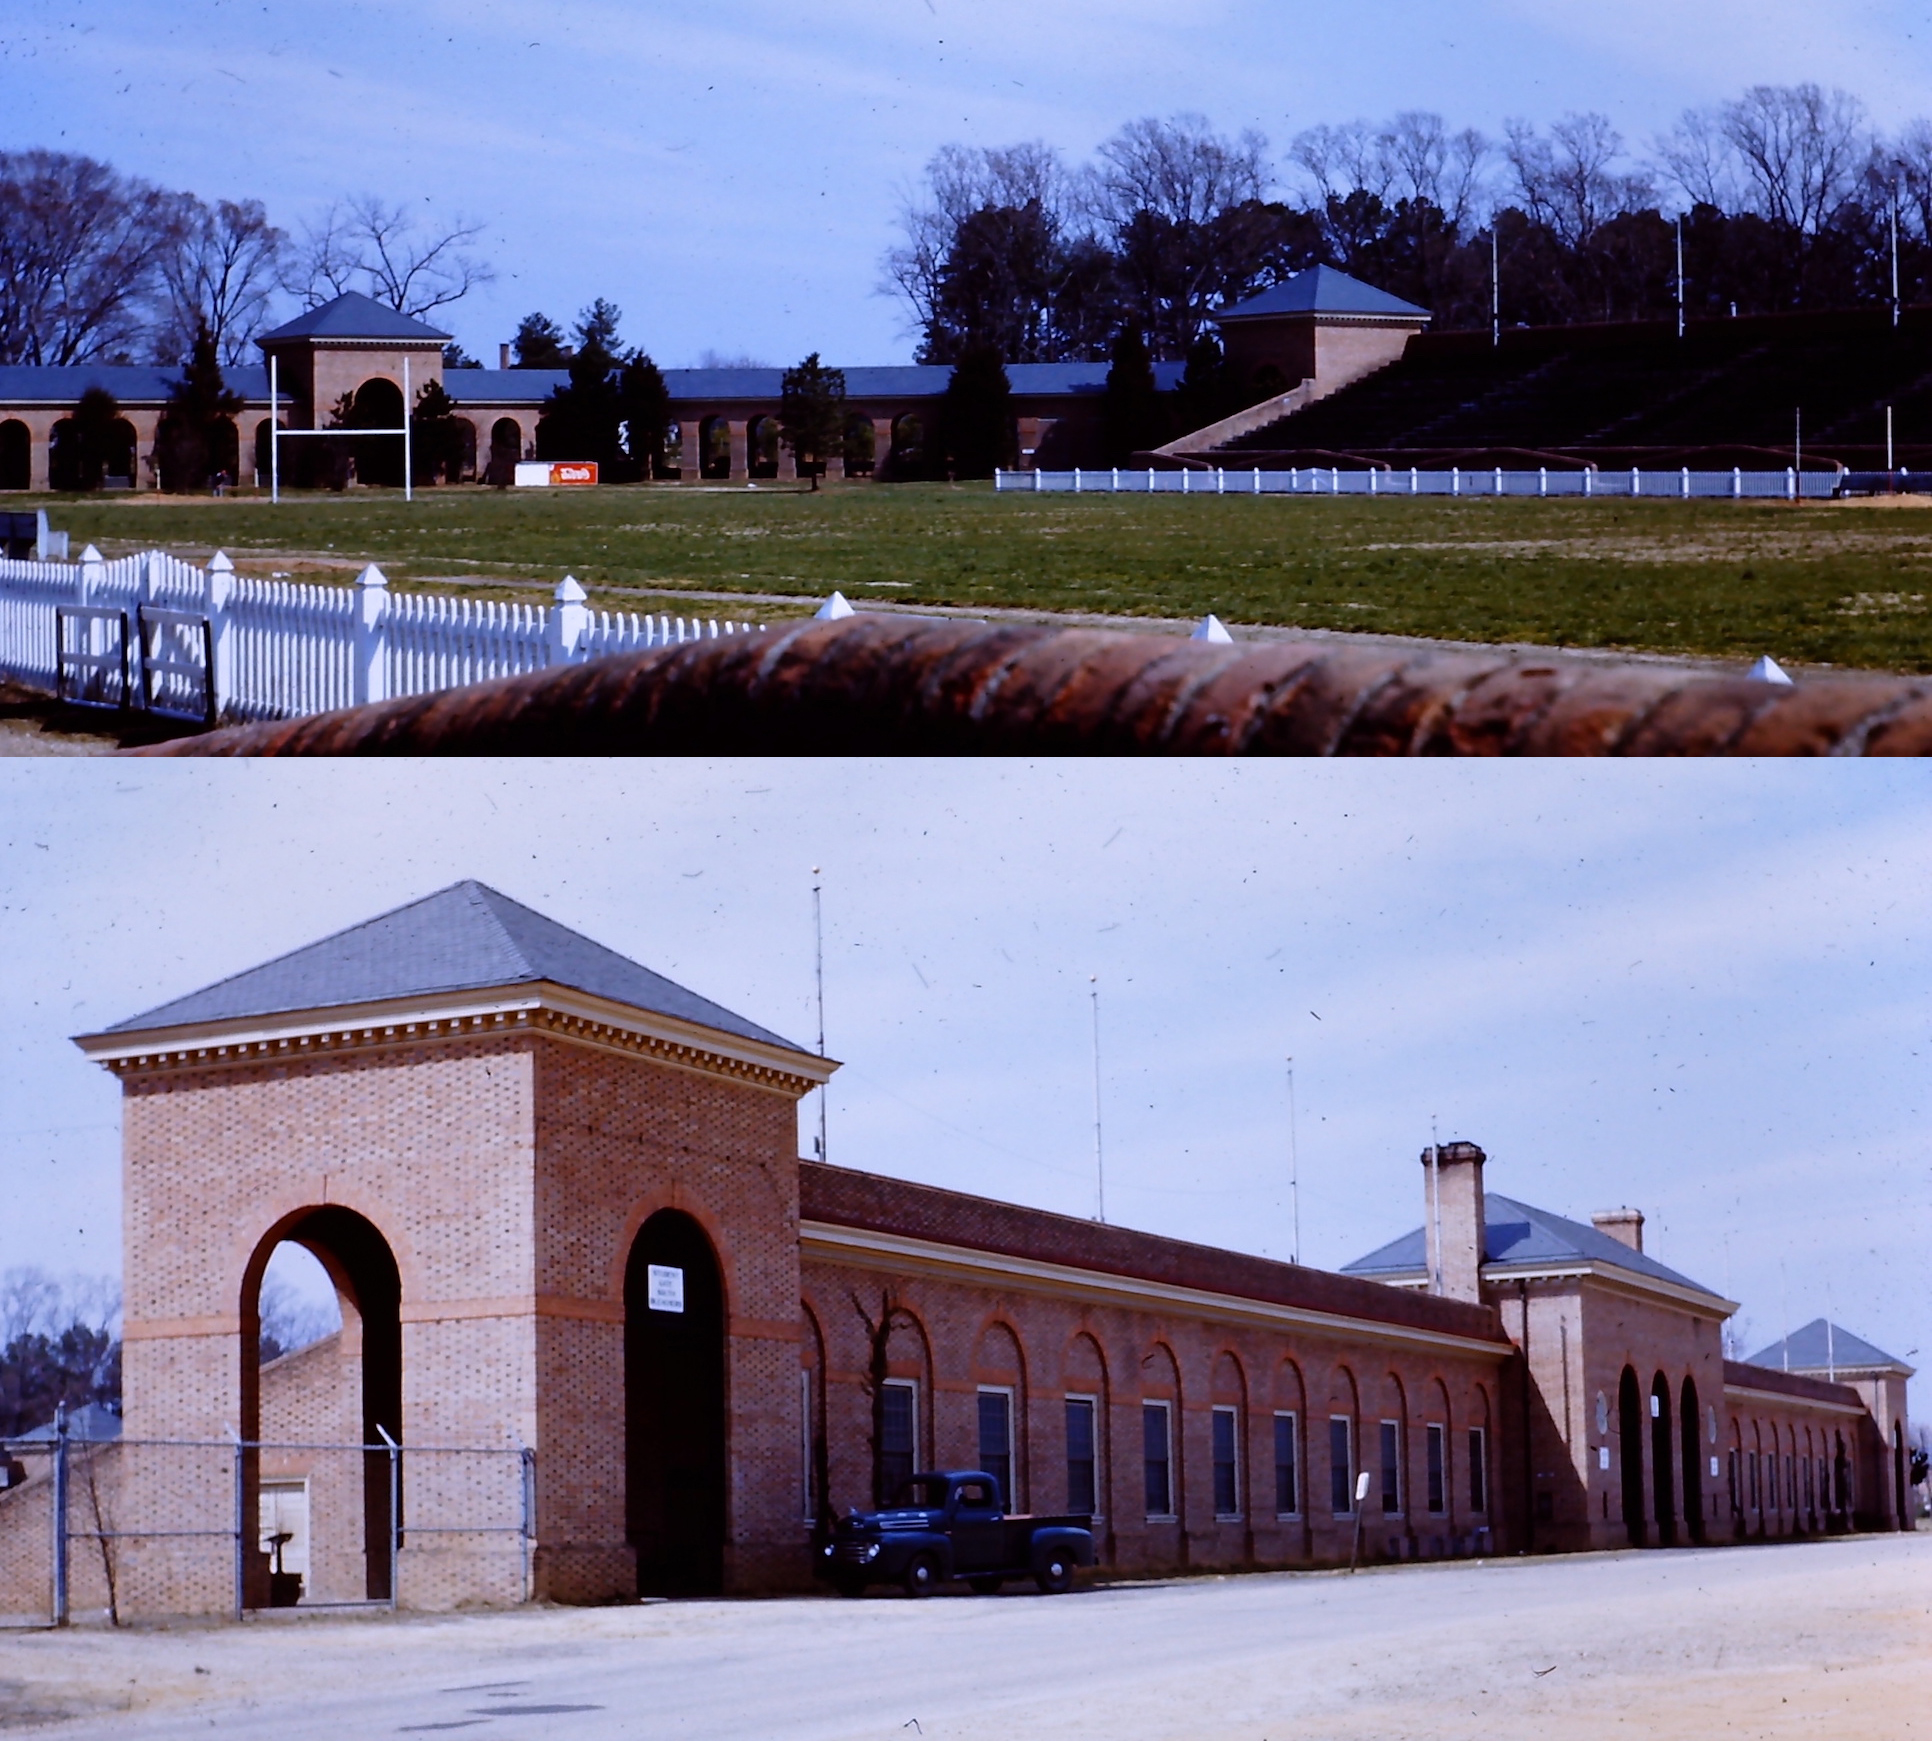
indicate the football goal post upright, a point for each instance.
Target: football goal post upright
{"x":277,"y":434}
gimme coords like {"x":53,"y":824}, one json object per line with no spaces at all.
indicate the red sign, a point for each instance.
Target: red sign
{"x":575,"y":473}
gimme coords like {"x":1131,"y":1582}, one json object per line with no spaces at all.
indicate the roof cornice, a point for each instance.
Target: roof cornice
{"x":1790,"y":1399}
{"x":900,"y":1253}
{"x":537,"y":1006}
{"x":1611,"y":1275}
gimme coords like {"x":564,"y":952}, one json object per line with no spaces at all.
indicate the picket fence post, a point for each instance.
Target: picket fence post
{"x":370,"y":664}
{"x":218,"y":593}
{"x":563,"y":631}
{"x":93,"y":576}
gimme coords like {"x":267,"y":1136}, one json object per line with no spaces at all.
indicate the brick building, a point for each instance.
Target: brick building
{"x":574,"y":1246}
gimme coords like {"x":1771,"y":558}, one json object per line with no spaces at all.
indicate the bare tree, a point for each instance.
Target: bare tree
{"x":387,"y":253}
{"x":1568,"y":180}
{"x":1179,"y":170}
{"x":1413,"y":157}
{"x":220,"y":273}
{"x":1791,"y":154}
{"x":80,"y":252}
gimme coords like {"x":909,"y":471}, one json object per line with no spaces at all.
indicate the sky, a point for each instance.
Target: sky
{"x":730,"y":175}
{"x":1703,"y":989}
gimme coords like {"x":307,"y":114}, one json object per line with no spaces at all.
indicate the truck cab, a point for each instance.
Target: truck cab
{"x":945,"y":1524}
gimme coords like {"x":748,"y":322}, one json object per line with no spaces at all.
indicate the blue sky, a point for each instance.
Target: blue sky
{"x":1698,"y":988}
{"x":729,"y":174}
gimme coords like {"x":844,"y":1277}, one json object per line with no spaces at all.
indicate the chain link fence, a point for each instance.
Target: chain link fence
{"x":100,"y":1528}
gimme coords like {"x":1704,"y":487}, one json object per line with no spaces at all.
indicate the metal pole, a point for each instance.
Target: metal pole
{"x":395,"y":1510}
{"x":60,"y":1514}
{"x":1680,"y":274}
{"x":241,"y":1527}
{"x":1099,"y":1155}
{"x":1495,"y":287}
{"x":818,"y":948}
{"x":1798,"y":454}
{"x":1294,"y":1168}
{"x":1895,"y":251}
{"x":408,"y":486}
{"x":274,"y":433}
{"x":527,"y":1517}
{"x":1888,"y":438}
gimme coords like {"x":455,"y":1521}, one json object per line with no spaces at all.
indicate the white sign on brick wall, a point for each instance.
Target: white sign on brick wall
{"x":666,"y":1289}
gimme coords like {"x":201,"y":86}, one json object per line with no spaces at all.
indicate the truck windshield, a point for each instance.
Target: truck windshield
{"x":927,"y":1495}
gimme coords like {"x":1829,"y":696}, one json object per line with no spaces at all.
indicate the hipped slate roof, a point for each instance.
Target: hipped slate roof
{"x":353,"y":316}
{"x":765,"y":386}
{"x":1517,"y":1233}
{"x":1322,"y":290}
{"x":131,"y":384}
{"x":465,"y":937}
{"x":1820,"y":1347}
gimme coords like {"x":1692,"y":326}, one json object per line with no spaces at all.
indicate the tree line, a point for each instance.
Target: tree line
{"x":60,"y":1343}
{"x":1787,"y":197}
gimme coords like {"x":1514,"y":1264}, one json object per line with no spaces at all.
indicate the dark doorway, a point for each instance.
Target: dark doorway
{"x":1693,"y":1447}
{"x":1901,"y":1519}
{"x":506,"y":448}
{"x":16,"y":456}
{"x":378,"y":405}
{"x":1661,"y":1458}
{"x":1630,"y":1449}
{"x":674,"y":1408}
{"x":363,"y":1269}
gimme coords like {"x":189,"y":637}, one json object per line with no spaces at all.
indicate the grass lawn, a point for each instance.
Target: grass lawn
{"x":1845,"y":584}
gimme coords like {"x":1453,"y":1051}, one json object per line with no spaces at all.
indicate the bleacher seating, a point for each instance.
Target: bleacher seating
{"x":1625,"y":395}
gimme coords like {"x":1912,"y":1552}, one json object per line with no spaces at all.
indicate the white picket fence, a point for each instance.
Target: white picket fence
{"x":1488,"y":481}
{"x":280,"y":649}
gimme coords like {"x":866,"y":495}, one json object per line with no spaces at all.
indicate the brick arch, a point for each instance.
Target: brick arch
{"x":1291,"y":1386}
{"x":1228,"y":1382}
{"x":1160,"y":1372}
{"x":617,"y":1265}
{"x":812,"y":1364}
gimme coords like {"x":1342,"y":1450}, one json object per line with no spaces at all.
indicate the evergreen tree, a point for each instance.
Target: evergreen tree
{"x":196,"y":437}
{"x":539,"y":343}
{"x":811,"y":414}
{"x":455,"y":357}
{"x":644,"y":405}
{"x":435,"y":437}
{"x":976,"y":415}
{"x":584,"y":420}
{"x":1130,"y":411}
{"x":88,"y":442}
{"x":1208,"y":392}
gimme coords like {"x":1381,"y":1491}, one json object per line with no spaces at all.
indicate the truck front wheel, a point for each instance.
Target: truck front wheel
{"x":921,"y":1576}
{"x":1055,"y":1574}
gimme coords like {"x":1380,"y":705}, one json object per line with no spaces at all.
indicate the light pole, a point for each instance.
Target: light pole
{"x":818,"y":952}
{"x":1099,"y":1163}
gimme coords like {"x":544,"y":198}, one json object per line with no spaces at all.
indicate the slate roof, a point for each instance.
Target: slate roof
{"x":765,"y":386}
{"x":1518,"y":1233}
{"x":131,"y":384}
{"x":1322,"y":290}
{"x":353,"y":316}
{"x":1812,"y":1350}
{"x":465,"y":937}
{"x":91,"y":1420}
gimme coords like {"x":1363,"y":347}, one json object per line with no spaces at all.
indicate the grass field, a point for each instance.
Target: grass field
{"x":1845,"y":584}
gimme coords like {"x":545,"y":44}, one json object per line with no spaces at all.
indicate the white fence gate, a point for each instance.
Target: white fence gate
{"x":1324,"y":480}
{"x":280,"y":649}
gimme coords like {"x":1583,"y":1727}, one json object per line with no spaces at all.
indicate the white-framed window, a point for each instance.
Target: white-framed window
{"x":996,"y":1440}
{"x":1341,"y":1465}
{"x":1391,"y":1448}
{"x":1437,"y":1470}
{"x":1083,"y":1456}
{"x":1287,"y":1464}
{"x":1157,"y":1460}
{"x":1479,"y":1470}
{"x":898,"y":1435}
{"x":1226,"y":1428}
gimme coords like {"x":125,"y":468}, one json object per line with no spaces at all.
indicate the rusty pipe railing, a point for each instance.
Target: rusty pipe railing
{"x":885,"y":684}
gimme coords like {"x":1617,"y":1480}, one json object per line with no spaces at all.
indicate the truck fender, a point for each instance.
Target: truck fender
{"x":1076,"y":1544}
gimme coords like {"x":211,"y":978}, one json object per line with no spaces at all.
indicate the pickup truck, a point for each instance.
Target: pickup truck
{"x":952,"y":1524}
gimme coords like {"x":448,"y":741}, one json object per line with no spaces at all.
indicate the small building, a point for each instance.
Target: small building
{"x":1321,"y":328}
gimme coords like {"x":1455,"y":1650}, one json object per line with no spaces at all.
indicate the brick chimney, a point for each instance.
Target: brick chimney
{"x":1453,"y":1229}
{"x":1625,"y":1226}
{"x":502,"y":356}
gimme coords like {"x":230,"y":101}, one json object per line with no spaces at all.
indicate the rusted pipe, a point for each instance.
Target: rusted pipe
{"x":881,"y":684}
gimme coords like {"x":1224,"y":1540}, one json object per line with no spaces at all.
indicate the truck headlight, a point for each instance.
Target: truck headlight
{"x":871,"y":1550}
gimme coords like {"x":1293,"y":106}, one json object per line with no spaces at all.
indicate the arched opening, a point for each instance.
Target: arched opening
{"x":118,"y":456}
{"x":908,"y":454}
{"x":1663,"y":1489}
{"x":1630,"y":1453}
{"x":761,"y":447}
{"x":999,"y":1377}
{"x":264,"y":459}
{"x":340,"y":1388}
{"x":1088,"y":1440}
{"x":860,"y":444}
{"x":378,"y":405}
{"x":16,"y":456}
{"x":506,"y":448}
{"x":1692,"y":1426}
{"x":465,"y":455}
{"x":674,"y":1416}
{"x":1900,"y":1517}
{"x":1841,"y":1494}
{"x":714,"y":448}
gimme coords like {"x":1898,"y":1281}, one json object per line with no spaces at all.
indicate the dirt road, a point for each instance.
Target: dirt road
{"x":1816,"y":1640}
